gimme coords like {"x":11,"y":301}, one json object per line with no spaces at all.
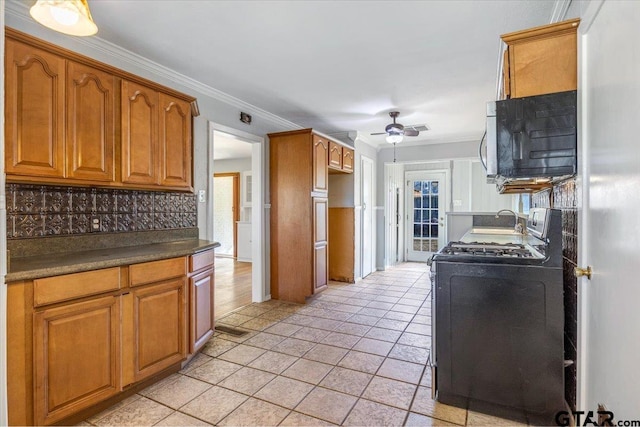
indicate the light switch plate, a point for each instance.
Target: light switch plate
{"x":202,"y":196}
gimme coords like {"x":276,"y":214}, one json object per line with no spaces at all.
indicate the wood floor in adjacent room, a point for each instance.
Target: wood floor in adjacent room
{"x":233,"y":285}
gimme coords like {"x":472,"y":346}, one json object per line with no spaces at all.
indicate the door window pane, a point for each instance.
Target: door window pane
{"x":425,"y":215}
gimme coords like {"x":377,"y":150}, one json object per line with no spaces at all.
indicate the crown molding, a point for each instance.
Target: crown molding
{"x":560,"y":8}
{"x":20,"y":11}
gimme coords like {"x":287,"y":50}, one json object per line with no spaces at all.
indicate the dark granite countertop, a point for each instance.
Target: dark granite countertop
{"x":54,"y":264}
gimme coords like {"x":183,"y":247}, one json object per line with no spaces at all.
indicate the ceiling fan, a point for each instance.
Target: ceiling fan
{"x":395,"y":131}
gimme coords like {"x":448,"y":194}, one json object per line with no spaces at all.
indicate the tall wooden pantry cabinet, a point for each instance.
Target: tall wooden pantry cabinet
{"x":299,"y":185}
{"x":299,"y":180}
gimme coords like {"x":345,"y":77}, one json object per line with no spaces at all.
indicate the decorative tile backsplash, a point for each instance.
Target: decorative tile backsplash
{"x":40,"y":211}
{"x":563,"y":196}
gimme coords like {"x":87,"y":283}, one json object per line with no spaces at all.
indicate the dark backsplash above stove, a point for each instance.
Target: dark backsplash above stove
{"x":564,"y":196}
{"x":40,"y":211}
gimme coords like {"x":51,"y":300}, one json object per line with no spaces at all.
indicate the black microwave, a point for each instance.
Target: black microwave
{"x":532,"y":137}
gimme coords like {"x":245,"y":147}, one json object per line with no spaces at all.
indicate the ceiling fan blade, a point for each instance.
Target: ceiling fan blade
{"x":378,"y":133}
{"x":411,"y":132}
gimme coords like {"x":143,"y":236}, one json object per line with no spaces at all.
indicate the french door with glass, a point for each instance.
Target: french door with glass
{"x":426,"y":203}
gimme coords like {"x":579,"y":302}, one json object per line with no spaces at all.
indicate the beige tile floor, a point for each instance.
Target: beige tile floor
{"x":355,"y":355}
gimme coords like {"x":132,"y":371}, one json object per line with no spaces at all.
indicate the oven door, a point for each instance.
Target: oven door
{"x":499,"y":335}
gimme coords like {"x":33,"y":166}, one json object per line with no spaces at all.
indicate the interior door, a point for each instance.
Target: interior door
{"x":608,"y":239}
{"x":226,"y":212}
{"x":366,"y":248}
{"x":426,"y":201}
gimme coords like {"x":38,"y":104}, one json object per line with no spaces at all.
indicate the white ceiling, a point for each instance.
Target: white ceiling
{"x":227,"y":147}
{"x":334,"y":65}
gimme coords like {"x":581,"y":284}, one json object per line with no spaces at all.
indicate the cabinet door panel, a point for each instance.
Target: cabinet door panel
{"x":335,"y":155}
{"x":320,"y":266}
{"x":34,"y":111}
{"x":320,"y":168}
{"x":77,"y":357}
{"x":347,"y":159}
{"x":139,"y":134}
{"x":90,"y":123}
{"x":159,"y":327}
{"x":175,"y":142}
{"x":202,"y":314}
{"x":320,"y":243}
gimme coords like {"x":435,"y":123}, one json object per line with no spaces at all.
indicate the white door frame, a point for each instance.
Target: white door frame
{"x":367,"y":251}
{"x":259,"y":286}
{"x":393,"y":180}
{"x":443,"y":203}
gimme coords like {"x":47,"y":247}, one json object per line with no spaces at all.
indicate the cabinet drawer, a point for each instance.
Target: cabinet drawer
{"x":156,"y":271}
{"x":201,"y":260}
{"x":76,"y":285}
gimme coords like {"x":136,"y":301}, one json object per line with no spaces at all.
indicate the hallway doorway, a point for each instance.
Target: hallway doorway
{"x":240,"y":277}
{"x":226,"y":212}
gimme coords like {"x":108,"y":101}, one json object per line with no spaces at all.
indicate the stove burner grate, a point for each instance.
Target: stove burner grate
{"x":510,"y":250}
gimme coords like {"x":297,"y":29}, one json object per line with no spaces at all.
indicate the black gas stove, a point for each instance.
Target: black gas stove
{"x":497,"y":321}
{"x":540,"y":245}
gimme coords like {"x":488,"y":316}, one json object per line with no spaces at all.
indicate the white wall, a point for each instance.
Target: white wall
{"x":609,"y":108}
{"x":424,"y":153}
{"x":341,"y":191}
{"x":232,"y":165}
{"x":470,"y":191}
{"x":467,"y":184}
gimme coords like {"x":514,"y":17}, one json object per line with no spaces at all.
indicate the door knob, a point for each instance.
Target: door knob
{"x":579,"y":272}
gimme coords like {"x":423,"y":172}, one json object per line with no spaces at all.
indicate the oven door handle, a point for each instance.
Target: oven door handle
{"x":433,"y":367}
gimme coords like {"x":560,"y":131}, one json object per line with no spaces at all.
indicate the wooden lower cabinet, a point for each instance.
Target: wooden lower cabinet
{"x":201,"y":291}
{"x":154,"y":329}
{"x":76,"y":357}
{"x":76,"y":340}
{"x":201,"y":298}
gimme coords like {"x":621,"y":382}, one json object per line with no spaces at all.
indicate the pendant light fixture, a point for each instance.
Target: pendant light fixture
{"x":66,"y":16}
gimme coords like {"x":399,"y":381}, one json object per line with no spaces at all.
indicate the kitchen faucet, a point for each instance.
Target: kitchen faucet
{"x":517,"y":226}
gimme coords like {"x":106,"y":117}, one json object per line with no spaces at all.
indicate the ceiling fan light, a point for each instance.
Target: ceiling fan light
{"x":394,"y":138}
{"x":66,"y":16}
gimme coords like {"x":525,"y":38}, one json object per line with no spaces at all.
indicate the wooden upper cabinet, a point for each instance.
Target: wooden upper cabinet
{"x":139,"y":134}
{"x":72,"y":120}
{"x":34,"y":111}
{"x":90,"y":123}
{"x":335,"y":155}
{"x":319,"y":165}
{"x":541,"y":60}
{"x":340,"y":158}
{"x":347,"y":159}
{"x":175,"y":142}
